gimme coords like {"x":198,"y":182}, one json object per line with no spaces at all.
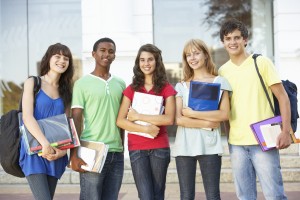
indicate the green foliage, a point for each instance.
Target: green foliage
{"x":11,"y":98}
{"x":219,"y":11}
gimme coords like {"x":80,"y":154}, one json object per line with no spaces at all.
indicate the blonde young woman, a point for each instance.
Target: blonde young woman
{"x":193,"y":143}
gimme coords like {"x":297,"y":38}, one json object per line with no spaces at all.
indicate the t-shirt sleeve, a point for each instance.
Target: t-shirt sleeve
{"x":225,"y":85}
{"x":122,"y":83}
{"x":268,"y":71}
{"x":169,"y":91}
{"x":179,"y":89}
{"x":77,"y":96}
{"x":129,"y":92}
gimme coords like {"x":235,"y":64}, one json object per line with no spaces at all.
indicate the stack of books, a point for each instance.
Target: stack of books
{"x":59,"y":130}
{"x":267,"y":131}
{"x":147,"y":104}
{"x":94,"y":154}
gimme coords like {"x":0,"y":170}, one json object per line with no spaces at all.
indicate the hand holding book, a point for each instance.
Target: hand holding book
{"x":93,"y":154}
{"x":75,"y":140}
{"x":57,"y":129}
{"x":132,"y":114}
{"x":146,"y":104}
{"x":55,"y":155}
{"x":89,"y":157}
{"x":203,"y":96}
{"x":152,"y":130}
{"x":270,"y":133}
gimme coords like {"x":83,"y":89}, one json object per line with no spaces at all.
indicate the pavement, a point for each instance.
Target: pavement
{"x":129,"y":192}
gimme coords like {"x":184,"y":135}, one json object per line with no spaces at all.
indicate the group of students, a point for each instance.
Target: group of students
{"x":100,"y":104}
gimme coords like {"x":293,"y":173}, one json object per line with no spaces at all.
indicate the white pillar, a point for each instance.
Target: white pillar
{"x":119,"y":20}
{"x":287,"y":41}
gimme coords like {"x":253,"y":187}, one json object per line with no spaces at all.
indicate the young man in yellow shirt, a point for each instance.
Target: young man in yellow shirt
{"x":249,"y":105}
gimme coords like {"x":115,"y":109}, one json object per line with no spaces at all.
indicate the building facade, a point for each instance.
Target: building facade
{"x":28,"y":27}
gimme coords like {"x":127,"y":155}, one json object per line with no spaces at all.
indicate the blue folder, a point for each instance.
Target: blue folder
{"x":204,"y":96}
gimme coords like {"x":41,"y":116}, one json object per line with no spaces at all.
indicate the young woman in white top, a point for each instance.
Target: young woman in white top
{"x":198,"y":136}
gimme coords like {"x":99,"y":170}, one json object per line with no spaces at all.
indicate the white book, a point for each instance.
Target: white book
{"x":94,"y":154}
{"x":270,"y":133}
{"x":88,"y":156}
{"x":147,"y":104}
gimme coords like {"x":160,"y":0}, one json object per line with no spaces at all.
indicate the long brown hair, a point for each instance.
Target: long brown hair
{"x":65,"y":81}
{"x":159,"y":75}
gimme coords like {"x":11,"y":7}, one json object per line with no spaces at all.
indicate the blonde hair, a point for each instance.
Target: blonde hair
{"x":198,"y":44}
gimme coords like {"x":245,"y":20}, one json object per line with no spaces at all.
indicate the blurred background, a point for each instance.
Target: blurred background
{"x":28,"y":27}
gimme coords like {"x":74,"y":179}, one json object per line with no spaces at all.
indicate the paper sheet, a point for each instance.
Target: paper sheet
{"x":88,"y":155}
{"x":270,"y":134}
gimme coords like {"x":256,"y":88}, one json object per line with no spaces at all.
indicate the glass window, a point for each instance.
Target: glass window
{"x":28,"y":27}
{"x":176,"y":21}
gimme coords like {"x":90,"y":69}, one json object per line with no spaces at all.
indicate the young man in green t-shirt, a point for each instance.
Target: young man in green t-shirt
{"x":249,"y":104}
{"x":95,"y":104}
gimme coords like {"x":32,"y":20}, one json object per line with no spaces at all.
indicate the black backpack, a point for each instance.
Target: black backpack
{"x":291,"y":90}
{"x":10,"y":137}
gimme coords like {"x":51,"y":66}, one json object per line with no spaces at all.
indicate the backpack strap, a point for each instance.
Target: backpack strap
{"x":37,"y":84}
{"x":36,"y":89}
{"x":262,"y":82}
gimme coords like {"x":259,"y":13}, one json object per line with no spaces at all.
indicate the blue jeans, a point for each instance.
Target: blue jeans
{"x":106,"y":185}
{"x":42,"y":186}
{"x":249,"y":161}
{"x":210,"y":166}
{"x":149,"y":168}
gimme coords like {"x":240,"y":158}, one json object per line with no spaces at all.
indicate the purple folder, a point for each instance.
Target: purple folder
{"x":258,"y":134}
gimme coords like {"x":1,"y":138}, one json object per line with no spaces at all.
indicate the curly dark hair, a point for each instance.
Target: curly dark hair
{"x":159,"y":75}
{"x":231,"y":25}
{"x":65,"y":81}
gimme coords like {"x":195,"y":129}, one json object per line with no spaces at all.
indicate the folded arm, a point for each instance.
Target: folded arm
{"x":130,"y":126}
{"x":159,"y":120}
{"x":219,"y":115}
{"x":185,"y":121}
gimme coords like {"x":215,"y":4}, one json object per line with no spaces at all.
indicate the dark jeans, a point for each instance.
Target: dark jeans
{"x":210,"y":166}
{"x":106,"y":185}
{"x":42,"y":186}
{"x":149,"y":168}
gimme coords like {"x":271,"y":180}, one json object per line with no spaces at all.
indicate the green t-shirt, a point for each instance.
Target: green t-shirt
{"x":100,"y":101}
